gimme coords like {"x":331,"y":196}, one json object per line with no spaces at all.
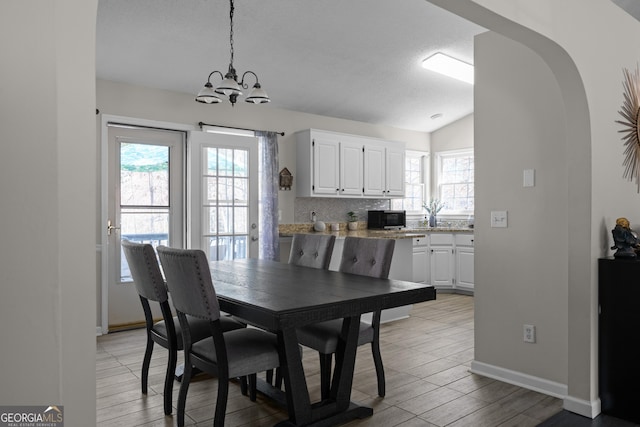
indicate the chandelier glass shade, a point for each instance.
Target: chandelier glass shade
{"x":229,"y":86}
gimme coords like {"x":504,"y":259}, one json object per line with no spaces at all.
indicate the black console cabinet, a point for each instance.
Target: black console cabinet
{"x":619,"y":337}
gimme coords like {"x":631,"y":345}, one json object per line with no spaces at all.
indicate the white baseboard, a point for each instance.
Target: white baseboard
{"x":541,"y":385}
{"x":527,"y":381}
{"x":583,"y":407}
{"x":98,"y":331}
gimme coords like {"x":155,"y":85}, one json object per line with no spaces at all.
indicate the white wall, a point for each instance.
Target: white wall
{"x":585,"y":44}
{"x":520,"y":127}
{"x":454,"y":136}
{"x":47,"y":185}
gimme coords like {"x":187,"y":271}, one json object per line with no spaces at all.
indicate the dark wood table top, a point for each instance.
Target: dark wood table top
{"x":278,"y":295}
{"x":281,"y":297}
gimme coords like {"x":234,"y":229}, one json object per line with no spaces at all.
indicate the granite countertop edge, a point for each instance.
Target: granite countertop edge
{"x":288,"y":230}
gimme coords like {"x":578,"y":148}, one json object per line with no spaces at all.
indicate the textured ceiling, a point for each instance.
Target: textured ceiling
{"x":351,"y":59}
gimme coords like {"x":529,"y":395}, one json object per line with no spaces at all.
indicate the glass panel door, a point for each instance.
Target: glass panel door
{"x":228,"y":184}
{"x":145,"y":190}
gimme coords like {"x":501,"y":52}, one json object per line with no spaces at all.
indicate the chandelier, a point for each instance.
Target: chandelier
{"x":229,"y":86}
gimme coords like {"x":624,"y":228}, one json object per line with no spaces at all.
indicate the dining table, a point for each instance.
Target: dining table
{"x":280,"y":298}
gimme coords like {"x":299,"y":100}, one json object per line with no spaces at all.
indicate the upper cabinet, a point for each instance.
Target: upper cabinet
{"x":383,"y":170}
{"x":331,"y":164}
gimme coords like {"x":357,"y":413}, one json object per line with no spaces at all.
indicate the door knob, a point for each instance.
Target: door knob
{"x":254,"y":239}
{"x":111,"y":227}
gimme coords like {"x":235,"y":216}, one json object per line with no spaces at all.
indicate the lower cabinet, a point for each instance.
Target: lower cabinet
{"x":444,"y":260}
{"x":464,"y":262}
{"x":420,"y":260}
{"x":619,"y":374}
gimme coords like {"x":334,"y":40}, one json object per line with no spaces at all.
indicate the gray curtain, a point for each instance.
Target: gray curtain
{"x":269,"y":185}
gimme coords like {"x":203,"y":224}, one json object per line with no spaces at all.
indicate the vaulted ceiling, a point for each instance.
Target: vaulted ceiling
{"x":352,"y":59}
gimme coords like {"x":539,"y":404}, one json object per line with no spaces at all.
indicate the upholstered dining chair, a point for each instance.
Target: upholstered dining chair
{"x":308,"y":250}
{"x":366,"y":257}
{"x":312,"y":250}
{"x":150,"y":285}
{"x":230,"y":354}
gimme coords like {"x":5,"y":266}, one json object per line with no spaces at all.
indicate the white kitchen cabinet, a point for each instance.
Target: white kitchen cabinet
{"x":374,"y":171}
{"x":351,"y":166}
{"x":394,"y":173}
{"x":326,"y":161}
{"x":421,"y":260}
{"x":331,"y":164}
{"x":464,"y":262}
{"x":383,"y":171}
{"x":442,"y":260}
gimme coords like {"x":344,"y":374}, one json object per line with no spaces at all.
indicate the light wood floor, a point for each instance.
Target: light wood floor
{"x":426,"y":359}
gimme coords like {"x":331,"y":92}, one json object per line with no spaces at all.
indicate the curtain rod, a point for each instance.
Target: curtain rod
{"x":231,"y":127}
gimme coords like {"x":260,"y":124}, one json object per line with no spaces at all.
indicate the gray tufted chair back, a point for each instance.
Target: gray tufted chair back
{"x":312,"y":250}
{"x":189,"y":281}
{"x":145,"y":270}
{"x":367,"y":257}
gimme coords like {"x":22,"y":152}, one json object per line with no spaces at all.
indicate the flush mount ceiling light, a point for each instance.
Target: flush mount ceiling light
{"x":451,"y":67}
{"x":229,"y":86}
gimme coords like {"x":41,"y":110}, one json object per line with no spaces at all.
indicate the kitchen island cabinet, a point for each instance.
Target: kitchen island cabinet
{"x":440,"y":257}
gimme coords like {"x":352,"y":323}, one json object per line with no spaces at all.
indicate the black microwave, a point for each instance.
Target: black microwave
{"x":386,"y":219}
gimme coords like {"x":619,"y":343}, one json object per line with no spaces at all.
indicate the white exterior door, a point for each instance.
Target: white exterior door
{"x":223,"y":184}
{"x":145,"y":189}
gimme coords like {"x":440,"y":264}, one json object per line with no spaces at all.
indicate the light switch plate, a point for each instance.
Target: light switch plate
{"x":529,"y":178}
{"x":498,"y":219}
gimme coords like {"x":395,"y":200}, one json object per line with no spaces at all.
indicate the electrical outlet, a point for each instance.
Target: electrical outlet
{"x":529,"y":333}
{"x":312,"y":214}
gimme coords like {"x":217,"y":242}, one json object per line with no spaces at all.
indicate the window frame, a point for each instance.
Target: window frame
{"x":425,"y":181}
{"x":439,"y":157}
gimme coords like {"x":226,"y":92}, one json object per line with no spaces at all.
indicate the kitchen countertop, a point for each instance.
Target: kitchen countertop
{"x":288,"y":230}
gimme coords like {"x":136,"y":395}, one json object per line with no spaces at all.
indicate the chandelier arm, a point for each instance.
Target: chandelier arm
{"x":212,"y":73}
{"x":243,"y":84}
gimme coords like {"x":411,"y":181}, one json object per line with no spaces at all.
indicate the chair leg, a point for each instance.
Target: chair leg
{"x":184,"y":387}
{"x":168,"y":381}
{"x":243,"y":385}
{"x":269,"y":376}
{"x":252,"y":387}
{"x":377,"y":360}
{"x":279,"y":378}
{"x":221,"y":402}
{"x":325,"y":375}
{"x":145,"y":363}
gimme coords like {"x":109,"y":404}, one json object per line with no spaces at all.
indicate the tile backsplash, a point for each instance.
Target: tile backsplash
{"x":335,"y":209}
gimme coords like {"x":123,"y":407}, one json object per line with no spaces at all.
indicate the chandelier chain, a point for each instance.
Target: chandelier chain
{"x":231,"y":32}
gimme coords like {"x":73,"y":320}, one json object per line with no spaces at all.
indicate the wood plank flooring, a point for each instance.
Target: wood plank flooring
{"x":426,"y":359}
